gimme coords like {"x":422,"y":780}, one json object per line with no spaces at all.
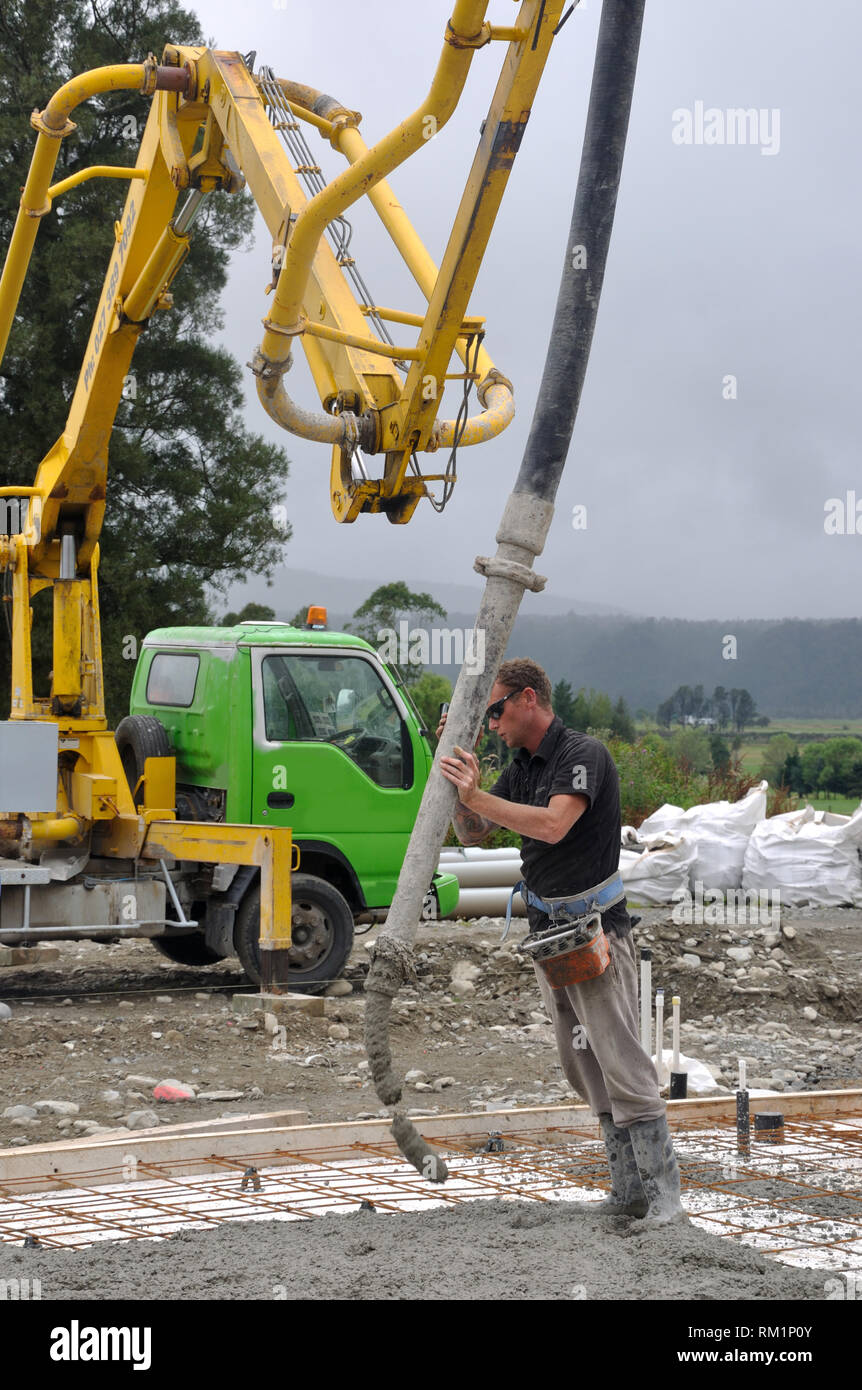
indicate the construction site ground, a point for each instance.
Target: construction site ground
{"x":477,"y":1041}
{"x":471,"y":1036}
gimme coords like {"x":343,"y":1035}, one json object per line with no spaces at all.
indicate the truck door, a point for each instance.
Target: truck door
{"x":334,"y":758}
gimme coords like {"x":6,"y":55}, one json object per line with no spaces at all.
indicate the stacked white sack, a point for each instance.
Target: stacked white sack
{"x":660,"y":868}
{"x":720,"y":830}
{"x":811,"y":857}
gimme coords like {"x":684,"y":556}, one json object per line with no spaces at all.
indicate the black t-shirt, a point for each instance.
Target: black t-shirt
{"x":567,"y":762}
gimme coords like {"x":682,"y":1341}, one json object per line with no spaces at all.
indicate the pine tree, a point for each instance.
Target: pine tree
{"x":192,"y":493}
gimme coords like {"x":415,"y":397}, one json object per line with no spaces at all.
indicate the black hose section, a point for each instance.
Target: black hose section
{"x":592,"y":222}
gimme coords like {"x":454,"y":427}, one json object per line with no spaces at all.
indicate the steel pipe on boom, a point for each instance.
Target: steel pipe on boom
{"x":521,"y":536}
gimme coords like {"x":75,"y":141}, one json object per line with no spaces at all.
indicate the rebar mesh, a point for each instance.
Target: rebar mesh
{"x":800,"y":1201}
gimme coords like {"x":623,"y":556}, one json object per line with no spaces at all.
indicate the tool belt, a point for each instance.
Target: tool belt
{"x":566,"y":910}
{"x":573,"y":948}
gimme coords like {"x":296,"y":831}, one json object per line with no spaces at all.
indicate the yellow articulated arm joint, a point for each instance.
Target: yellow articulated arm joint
{"x":96,"y":171}
{"x":285,"y":319}
{"x":53,"y":125}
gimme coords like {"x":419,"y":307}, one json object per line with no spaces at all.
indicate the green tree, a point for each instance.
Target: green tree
{"x":250,"y":613}
{"x":745,"y":710}
{"x":812,"y":761}
{"x":719,"y":752}
{"x":563,"y":701}
{"x":601,"y":715}
{"x":622,"y":724}
{"x":691,"y":749}
{"x":191,"y":491}
{"x":841,"y":770}
{"x":428,"y":694}
{"x":381,"y":616}
{"x":720,"y":707}
{"x":791,"y":774}
{"x":664,"y":713}
{"x":776,"y":753}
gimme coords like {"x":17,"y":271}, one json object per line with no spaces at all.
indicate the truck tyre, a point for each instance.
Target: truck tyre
{"x":191,"y":949}
{"x":322,"y":931}
{"x":138,"y":737}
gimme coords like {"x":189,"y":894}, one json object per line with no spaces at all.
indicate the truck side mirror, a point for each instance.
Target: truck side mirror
{"x":345,"y":706}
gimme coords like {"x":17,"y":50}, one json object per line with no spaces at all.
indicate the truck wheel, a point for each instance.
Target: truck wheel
{"x":186,"y":950}
{"x":321,"y":927}
{"x":138,"y":737}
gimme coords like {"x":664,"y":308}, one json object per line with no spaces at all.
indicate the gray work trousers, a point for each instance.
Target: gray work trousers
{"x":598,"y":1039}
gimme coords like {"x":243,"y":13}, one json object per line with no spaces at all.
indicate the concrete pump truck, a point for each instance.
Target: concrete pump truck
{"x":260,"y":796}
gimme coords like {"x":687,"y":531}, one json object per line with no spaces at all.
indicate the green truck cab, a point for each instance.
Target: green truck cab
{"x":272,"y":724}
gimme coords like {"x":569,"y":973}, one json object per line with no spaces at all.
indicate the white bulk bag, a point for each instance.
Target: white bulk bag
{"x":808,"y":856}
{"x":720,"y":830}
{"x":660,"y":868}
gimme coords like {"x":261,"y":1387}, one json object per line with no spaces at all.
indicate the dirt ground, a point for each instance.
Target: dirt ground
{"x":471,"y":1035}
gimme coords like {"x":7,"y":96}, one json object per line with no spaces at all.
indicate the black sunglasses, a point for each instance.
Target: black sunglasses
{"x":494,"y":711}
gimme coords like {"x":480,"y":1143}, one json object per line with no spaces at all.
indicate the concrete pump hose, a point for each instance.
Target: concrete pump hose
{"x":524,"y":526}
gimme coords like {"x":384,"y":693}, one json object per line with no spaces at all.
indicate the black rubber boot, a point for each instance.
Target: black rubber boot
{"x":627,"y":1196}
{"x":659,"y":1172}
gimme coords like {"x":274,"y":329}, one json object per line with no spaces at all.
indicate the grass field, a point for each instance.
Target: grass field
{"x":805,"y":731}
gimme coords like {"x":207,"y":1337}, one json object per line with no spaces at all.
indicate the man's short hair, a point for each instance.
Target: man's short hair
{"x":520,"y":672}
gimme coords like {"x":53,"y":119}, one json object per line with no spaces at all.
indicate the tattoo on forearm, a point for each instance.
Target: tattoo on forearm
{"x":470,"y":827}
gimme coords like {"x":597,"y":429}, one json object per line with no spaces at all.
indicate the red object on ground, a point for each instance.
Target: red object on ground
{"x":172,"y":1093}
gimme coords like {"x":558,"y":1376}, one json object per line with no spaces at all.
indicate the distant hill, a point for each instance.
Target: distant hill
{"x":342,"y":596}
{"x":794,"y":668}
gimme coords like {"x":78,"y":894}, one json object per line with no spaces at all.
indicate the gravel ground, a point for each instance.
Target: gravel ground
{"x":471,"y":1035}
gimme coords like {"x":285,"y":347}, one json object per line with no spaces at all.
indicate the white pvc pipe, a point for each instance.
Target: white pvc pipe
{"x":659,"y":1035}
{"x":646,"y":996}
{"x":487,"y":902}
{"x":499,"y":873}
{"x":475,"y":852}
{"x":675,"y":1002}
{"x":742,"y":1077}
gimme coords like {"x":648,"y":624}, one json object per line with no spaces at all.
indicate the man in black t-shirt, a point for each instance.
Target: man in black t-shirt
{"x":561,"y":794}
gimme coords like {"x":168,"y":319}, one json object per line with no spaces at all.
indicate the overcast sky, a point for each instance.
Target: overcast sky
{"x":727,"y":260}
